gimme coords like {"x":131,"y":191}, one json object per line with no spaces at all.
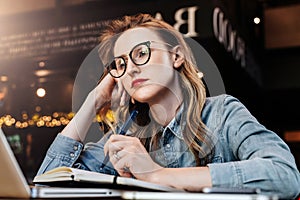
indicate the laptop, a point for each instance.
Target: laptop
{"x":132,"y":195}
{"x":14,"y":184}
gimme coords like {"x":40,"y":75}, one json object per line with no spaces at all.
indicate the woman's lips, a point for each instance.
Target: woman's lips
{"x":137,"y":82}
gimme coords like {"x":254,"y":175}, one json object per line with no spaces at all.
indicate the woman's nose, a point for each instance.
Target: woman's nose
{"x":132,"y":68}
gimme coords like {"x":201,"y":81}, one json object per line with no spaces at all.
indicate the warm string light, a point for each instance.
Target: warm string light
{"x":55,"y":120}
{"x":256,"y":20}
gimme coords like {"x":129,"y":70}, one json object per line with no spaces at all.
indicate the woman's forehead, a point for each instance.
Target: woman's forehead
{"x":132,"y":37}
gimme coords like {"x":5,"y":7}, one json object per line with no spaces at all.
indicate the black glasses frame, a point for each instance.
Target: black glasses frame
{"x":147,"y":44}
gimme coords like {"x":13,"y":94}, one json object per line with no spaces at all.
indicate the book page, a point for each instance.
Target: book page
{"x":89,"y":176}
{"x":143,"y":184}
{"x":68,"y":174}
{"x":73,"y":174}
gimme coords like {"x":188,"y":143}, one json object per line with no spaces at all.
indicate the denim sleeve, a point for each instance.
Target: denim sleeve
{"x":263,"y":160}
{"x":65,"y":151}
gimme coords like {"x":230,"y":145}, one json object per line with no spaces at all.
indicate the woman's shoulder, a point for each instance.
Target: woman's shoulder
{"x":222,"y":98}
{"x":216,"y":105}
{"x":221,"y":107}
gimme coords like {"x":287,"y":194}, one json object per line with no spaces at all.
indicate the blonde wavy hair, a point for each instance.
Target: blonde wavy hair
{"x":195,"y":131}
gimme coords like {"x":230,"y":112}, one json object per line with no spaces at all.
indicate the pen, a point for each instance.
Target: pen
{"x":123,"y":131}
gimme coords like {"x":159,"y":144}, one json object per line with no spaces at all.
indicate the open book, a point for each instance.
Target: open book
{"x":64,"y":176}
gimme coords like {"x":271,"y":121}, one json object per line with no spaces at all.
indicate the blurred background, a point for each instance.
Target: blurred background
{"x":255,"y":45}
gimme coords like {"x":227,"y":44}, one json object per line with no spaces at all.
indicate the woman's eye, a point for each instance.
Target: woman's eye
{"x":142,"y":53}
{"x":121,"y":65}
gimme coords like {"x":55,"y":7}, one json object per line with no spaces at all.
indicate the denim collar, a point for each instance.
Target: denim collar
{"x":176,"y":126}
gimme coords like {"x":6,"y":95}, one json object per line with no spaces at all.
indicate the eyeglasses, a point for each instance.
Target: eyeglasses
{"x":139,"y":55}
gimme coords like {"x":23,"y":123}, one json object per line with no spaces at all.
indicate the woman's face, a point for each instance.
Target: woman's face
{"x":151,"y":81}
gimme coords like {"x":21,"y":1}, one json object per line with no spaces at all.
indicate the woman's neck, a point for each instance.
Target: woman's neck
{"x":165,"y":108}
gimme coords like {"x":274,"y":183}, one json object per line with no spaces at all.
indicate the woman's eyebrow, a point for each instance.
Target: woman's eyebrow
{"x":126,"y":54}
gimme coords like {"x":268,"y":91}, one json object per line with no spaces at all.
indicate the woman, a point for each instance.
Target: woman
{"x":178,"y":133}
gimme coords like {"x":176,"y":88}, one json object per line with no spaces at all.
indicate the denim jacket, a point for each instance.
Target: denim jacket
{"x":246,"y":154}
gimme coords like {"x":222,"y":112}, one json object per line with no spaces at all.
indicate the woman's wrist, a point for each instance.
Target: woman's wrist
{"x":176,"y":177}
{"x":79,"y":125}
{"x":164,"y":176}
{"x":156,"y":176}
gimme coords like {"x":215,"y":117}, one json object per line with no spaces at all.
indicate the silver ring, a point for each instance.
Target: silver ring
{"x":117,"y":156}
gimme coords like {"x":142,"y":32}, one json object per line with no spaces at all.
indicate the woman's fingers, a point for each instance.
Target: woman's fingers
{"x":124,"y":98}
{"x":122,"y":94}
{"x":115,"y":97}
{"x":116,"y":143}
{"x":103,"y":91}
{"x":119,"y":95}
{"x":129,"y":157}
{"x":121,"y":164}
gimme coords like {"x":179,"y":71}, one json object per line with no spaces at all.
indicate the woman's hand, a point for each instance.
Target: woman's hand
{"x":129,"y":157}
{"x":119,"y":95}
{"x":110,"y":90}
{"x":103,"y":92}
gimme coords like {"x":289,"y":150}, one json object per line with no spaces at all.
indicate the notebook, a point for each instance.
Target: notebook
{"x":13,"y":182}
{"x":67,"y":176}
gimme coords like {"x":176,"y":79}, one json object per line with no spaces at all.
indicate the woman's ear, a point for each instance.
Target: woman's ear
{"x":177,"y":57}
